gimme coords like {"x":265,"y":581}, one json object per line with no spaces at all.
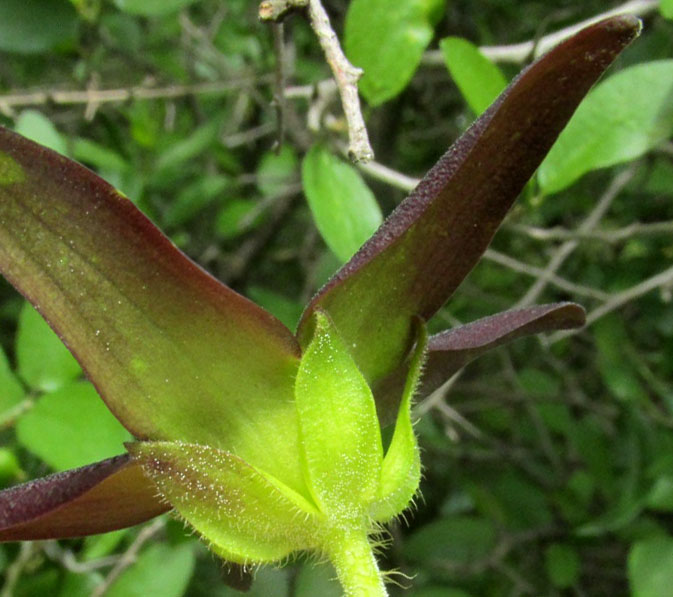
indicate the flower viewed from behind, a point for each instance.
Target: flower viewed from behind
{"x":267,"y":442}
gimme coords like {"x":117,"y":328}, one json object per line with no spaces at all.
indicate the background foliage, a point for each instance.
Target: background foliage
{"x":548,"y":464}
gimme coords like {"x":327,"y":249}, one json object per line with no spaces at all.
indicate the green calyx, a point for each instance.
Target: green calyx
{"x":349,"y":486}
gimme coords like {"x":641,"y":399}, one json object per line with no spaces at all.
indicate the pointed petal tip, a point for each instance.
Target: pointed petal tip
{"x":570,"y":315}
{"x":627,"y":22}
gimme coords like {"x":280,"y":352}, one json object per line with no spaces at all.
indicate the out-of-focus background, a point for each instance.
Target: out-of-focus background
{"x":548,"y":463}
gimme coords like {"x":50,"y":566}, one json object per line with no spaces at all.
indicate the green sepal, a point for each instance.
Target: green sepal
{"x":340,"y":435}
{"x":245,"y":514}
{"x":401,"y":469}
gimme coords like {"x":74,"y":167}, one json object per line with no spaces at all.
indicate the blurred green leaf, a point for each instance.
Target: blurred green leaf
{"x":269,"y":582}
{"x":438,"y":592}
{"x":233,"y":219}
{"x":37,"y":127}
{"x":160,"y":571}
{"x":660,"y":497}
{"x":34,"y":26}
{"x":71,"y":427}
{"x":97,"y":155}
{"x":666,"y":8}
{"x":562,"y":564}
{"x":617,"y":122}
{"x":316,"y":578}
{"x":99,"y":546}
{"x":513,"y":489}
{"x":650,"y":567}
{"x":186,"y":149}
{"x":478,"y":79}
{"x":285,"y":309}
{"x":345,"y":210}
{"x":152,"y":8}
{"x":43,"y":582}
{"x":79,"y":585}
{"x":387,"y":40}
{"x":626,"y":497}
{"x":538,"y":383}
{"x":276,"y":170}
{"x":618,"y":372}
{"x":44,"y":363}
{"x":458,"y":540}
{"x":11,"y":390}
{"x":194,"y":197}
{"x":10,"y":469}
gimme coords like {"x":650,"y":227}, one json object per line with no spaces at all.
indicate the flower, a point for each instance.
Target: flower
{"x":268,"y":442}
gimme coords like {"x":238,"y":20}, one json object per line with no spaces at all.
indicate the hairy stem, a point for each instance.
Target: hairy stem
{"x":351,"y":553}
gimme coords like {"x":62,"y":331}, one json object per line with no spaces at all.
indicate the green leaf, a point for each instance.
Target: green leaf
{"x":160,"y":571}
{"x":562,"y":564}
{"x":660,"y":497}
{"x":37,"y":127}
{"x":245,"y":514}
{"x":479,"y":80}
{"x":616,"y":123}
{"x":234,"y":218}
{"x":615,"y":367}
{"x":344,"y":209}
{"x":174,"y":353}
{"x":97,"y":155}
{"x":34,"y":26}
{"x":195,"y":197}
{"x":99,"y":546}
{"x":71,"y":427}
{"x":285,"y":309}
{"x":151,"y":8}
{"x":10,"y":468}
{"x":276,"y":170}
{"x":387,"y":40}
{"x":666,"y":8}
{"x":317,"y":578}
{"x":458,"y":540}
{"x":11,"y":390}
{"x":650,"y":567}
{"x":44,"y":363}
{"x":186,"y":149}
{"x":339,"y":429}
{"x":269,"y":582}
{"x":79,"y":585}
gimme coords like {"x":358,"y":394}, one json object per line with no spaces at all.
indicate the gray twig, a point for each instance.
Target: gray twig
{"x":661,"y":280}
{"x":564,"y":251}
{"x":519,"y":53}
{"x":129,"y":557}
{"x":99,"y":96}
{"x":346,"y":76}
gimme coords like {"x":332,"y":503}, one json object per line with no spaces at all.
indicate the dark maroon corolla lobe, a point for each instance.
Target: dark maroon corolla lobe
{"x":97,"y":498}
{"x":453,"y":349}
{"x":424,"y":250}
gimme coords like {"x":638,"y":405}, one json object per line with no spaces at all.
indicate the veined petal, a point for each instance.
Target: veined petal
{"x":424,"y":250}
{"x":174,"y":353}
{"x":109,"y":495}
{"x":244,"y":514}
{"x":455,"y":348}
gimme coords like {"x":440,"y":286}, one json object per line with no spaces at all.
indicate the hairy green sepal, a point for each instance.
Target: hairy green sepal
{"x":249,"y":516}
{"x":245,"y":514}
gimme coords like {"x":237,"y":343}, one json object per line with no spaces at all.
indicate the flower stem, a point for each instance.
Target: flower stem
{"x":357,"y":569}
